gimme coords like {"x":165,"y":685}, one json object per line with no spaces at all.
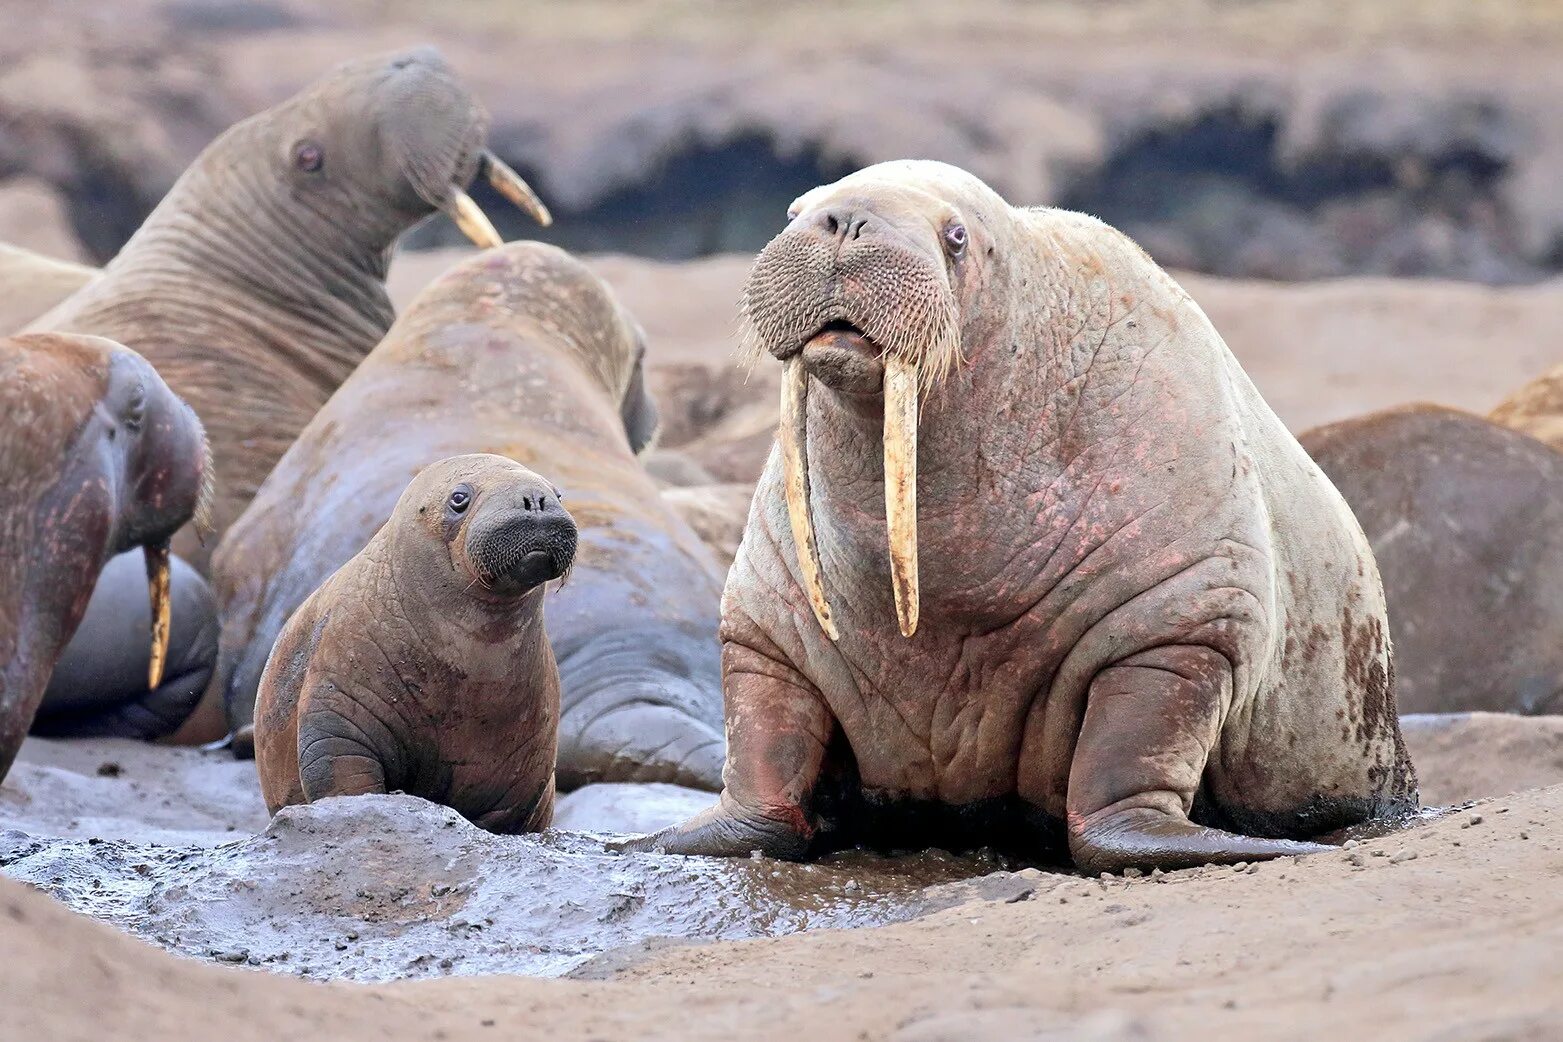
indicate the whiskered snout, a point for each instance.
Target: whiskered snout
{"x":520,"y":540}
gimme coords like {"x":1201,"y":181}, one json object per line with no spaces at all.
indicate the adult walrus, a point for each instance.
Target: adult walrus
{"x":1032,"y":558}
{"x":421,"y":665}
{"x":100,"y":456}
{"x":257,"y":284}
{"x":522,"y":352}
{"x":1466,"y":521}
{"x":31,"y":284}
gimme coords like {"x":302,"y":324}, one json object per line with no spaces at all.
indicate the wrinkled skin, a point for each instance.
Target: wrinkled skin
{"x":31,"y":284}
{"x":422,"y":665}
{"x":99,"y":687}
{"x":100,"y":456}
{"x":525,"y":353}
{"x":1145,"y":625}
{"x":257,"y":284}
{"x":1466,"y":522}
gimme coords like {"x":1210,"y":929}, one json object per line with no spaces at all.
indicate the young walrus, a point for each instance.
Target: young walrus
{"x":422,"y":664}
{"x":257,"y":284}
{"x":99,"y":457}
{"x":1032,"y":561}
{"x":524,"y":352}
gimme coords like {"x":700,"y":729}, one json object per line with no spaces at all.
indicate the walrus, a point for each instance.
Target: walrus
{"x":422,"y":665}
{"x":100,"y":457}
{"x":1032,"y":563}
{"x":31,"y":284}
{"x":257,"y":284}
{"x":1466,"y":521}
{"x":1536,"y":409}
{"x":523,"y":352}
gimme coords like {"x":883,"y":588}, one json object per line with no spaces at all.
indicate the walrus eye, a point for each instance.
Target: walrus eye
{"x":460,"y":500}
{"x":308,"y":157}
{"x":955,"y":238}
{"x":136,"y":411}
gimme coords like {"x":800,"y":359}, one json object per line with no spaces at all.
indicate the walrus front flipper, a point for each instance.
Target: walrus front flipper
{"x":1150,"y":725}
{"x":99,"y":686}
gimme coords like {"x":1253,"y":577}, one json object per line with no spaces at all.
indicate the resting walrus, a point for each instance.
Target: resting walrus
{"x":520,"y":351}
{"x":257,"y":284}
{"x":99,"y":457}
{"x":1032,"y":558}
{"x":422,"y":665}
{"x":1466,"y":521}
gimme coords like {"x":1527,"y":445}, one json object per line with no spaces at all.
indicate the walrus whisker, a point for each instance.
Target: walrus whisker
{"x":471,"y":219}
{"x":793,"y":436}
{"x":513,"y":187}
{"x":901,"y":383}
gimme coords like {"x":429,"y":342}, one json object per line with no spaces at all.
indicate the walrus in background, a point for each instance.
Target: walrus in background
{"x":31,"y":284}
{"x":257,"y":284}
{"x":422,"y":665}
{"x":1536,"y":409}
{"x":1466,"y":522}
{"x":522,"y":352}
{"x":100,"y":456}
{"x":1032,"y":559}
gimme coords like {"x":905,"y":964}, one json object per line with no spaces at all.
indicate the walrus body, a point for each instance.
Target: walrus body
{"x":422,"y":665}
{"x":257,"y":284}
{"x":31,"y":284}
{"x":525,"y":353}
{"x":100,"y":456}
{"x":1090,"y":589}
{"x":1466,"y":522}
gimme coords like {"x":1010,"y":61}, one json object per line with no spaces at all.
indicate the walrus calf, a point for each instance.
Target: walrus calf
{"x":1466,"y":521}
{"x":1032,"y":559}
{"x":257,"y":284}
{"x":523,"y":352}
{"x":100,"y":456}
{"x":422,"y":664}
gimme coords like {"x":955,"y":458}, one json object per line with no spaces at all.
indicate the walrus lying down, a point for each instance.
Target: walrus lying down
{"x":1032,"y":561}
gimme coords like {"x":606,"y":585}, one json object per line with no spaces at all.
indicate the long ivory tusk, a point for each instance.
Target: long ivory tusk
{"x":162,"y":612}
{"x":795,"y":467}
{"x":901,"y":487}
{"x":513,"y":186}
{"x":472,"y":221}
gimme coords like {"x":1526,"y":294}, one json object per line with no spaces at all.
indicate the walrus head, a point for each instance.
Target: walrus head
{"x":503,"y":529}
{"x":867,"y":290}
{"x":137,"y":453}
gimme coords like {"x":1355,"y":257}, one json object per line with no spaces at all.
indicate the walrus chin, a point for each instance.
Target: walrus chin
{"x":469,"y":216}
{"x":901,"y":380}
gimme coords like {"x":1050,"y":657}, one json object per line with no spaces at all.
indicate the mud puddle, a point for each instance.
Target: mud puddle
{"x":174,"y":846}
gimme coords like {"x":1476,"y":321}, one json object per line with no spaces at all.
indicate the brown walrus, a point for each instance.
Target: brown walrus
{"x":1032,"y":560}
{"x":31,"y":284}
{"x":257,"y":284}
{"x":523,"y":352}
{"x":1466,"y":522}
{"x":100,"y":456}
{"x":422,"y":664}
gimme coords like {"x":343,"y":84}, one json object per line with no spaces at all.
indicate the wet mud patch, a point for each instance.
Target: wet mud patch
{"x":393,"y":887}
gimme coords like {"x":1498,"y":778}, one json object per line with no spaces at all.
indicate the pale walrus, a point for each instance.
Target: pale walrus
{"x":1032,"y":560}
{"x":31,"y":284}
{"x":100,"y":456}
{"x":1466,"y":522}
{"x":257,"y":284}
{"x":422,"y":664}
{"x":523,"y":352}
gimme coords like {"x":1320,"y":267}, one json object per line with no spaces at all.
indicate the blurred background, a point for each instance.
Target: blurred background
{"x":1278,"y":139}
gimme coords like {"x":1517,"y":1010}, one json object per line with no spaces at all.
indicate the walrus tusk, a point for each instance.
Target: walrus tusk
{"x":157,"y":587}
{"x":901,"y":487}
{"x":795,"y":465}
{"x":513,"y":186}
{"x":472,"y":221}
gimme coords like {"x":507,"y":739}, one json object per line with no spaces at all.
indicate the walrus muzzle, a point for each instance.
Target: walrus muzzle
{"x":904,"y":307}
{"x":471,"y":219}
